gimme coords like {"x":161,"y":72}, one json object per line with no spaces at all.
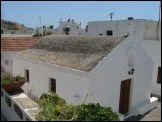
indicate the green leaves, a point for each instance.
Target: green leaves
{"x":95,"y":112}
{"x":55,"y":108}
{"x":7,"y":78}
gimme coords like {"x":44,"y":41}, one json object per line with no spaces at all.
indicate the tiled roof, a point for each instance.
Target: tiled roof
{"x":16,"y":43}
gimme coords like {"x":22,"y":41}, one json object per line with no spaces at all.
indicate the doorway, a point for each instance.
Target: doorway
{"x":124,"y":96}
{"x":52,"y":85}
{"x":67,"y":30}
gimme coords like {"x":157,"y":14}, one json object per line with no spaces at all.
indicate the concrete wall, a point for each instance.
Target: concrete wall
{"x":6,"y":60}
{"x":142,"y":29}
{"x":109,"y":73}
{"x":152,"y":30}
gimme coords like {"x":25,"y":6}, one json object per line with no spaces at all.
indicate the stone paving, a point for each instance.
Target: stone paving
{"x":153,"y":115}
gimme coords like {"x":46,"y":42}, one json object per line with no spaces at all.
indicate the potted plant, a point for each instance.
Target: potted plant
{"x":9,"y":82}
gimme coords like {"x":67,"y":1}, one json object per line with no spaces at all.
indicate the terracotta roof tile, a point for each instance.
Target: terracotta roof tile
{"x":16,"y":43}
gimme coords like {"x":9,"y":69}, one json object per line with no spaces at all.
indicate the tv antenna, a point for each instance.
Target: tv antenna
{"x":111,"y":15}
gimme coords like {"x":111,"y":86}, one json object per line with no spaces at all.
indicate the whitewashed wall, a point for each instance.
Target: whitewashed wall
{"x":109,"y":73}
{"x":68,"y":84}
{"x":9,"y":112}
{"x":7,"y":56}
{"x":73,"y":28}
{"x":103,"y":81}
{"x":153,"y":48}
{"x":156,"y":89}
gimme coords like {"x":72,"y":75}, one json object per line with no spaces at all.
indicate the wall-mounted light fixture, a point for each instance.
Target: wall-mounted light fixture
{"x":131,"y":71}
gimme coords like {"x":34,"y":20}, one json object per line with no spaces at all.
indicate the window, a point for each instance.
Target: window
{"x":1,"y":93}
{"x":8,"y":101}
{"x":109,"y":32}
{"x":18,"y":111}
{"x":27,"y":75}
{"x":159,"y":75}
{"x":6,"y":62}
{"x":52,"y":85}
{"x":100,"y":34}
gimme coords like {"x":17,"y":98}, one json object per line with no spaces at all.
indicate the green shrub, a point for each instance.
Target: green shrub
{"x":95,"y":112}
{"x":52,"y":98}
{"x":51,"y":105}
{"x":55,"y":108}
{"x":7,"y":78}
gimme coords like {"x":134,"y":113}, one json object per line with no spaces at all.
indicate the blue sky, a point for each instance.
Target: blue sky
{"x":28,"y":12}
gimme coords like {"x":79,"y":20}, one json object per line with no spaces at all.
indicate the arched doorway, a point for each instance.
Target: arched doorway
{"x":67,"y":30}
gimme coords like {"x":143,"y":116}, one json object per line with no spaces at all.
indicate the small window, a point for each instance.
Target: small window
{"x":8,"y":101}
{"x":27,"y":75}
{"x":109,"y":32}
{"x":52,"y":85}
{"x":18,"y":111}
{"x":159,"y":75}
{"x":1,"y":93}
{"x":100,"y":34}
{"x":6,"y":62}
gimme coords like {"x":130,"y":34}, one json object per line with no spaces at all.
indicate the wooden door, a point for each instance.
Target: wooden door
{"x":124,"y":96}
{"x":27,"y":75}
{"x":53,"y":85}
{"x":159,"y":75}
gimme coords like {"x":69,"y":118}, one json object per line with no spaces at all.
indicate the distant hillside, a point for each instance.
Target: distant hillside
{"x":13,"y":27}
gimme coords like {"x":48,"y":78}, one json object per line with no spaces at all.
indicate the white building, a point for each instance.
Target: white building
{"x":141,"y":28}
{"x":10,"y":44}
{"x":153,"y":48}
{"x":6,"y":60}
{"x":116,"y":71}
{"x":147,"y":32}
{"x":70,"y":28}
